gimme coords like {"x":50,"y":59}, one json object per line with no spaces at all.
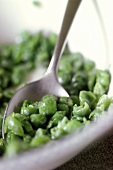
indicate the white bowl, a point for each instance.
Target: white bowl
{"x":88,"y":36}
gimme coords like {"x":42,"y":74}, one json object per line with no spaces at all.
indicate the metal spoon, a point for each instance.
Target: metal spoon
{"x":49,"y":83}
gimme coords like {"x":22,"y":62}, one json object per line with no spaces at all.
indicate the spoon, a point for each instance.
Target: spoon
{"x":49,"y":83}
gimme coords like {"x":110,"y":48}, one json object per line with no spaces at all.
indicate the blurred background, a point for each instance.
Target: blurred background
{"x":89,"y":34}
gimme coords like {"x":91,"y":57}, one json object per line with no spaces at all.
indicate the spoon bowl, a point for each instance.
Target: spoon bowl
{"x":34,"y":91}
{"x":49,"y":83}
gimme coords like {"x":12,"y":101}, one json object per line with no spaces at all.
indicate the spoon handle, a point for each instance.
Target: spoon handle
{"x":71,"y":9}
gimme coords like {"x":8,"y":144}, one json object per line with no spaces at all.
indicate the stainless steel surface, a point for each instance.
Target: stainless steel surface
{"x":49,"y":83}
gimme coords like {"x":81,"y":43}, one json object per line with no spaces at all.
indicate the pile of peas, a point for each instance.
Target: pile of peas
{"x":38,"y":122}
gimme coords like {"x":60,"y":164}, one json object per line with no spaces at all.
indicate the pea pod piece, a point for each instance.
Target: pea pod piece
{"x":12,"y":124}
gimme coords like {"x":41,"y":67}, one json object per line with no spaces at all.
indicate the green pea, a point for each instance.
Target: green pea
{"x":89,"y":65}
{"x":39,"y":140}
{"x":27,"y":126}
{"x":98,"y":90}
{"x":66,"y":128}
{"x":72,"y":125}
{"x":75,"y":99}
{"x":32,"y":133}
{"x":77,"y":61}
{"x":19,"y":72}
{"x":58,"y":131}
{"x":35,"y":104}
{"x":64,"y":78}
{"x":11,"y":136}
{"x":82,"y":110}
{"x":95,"y":114}
{"x":103,"y":79}
{"x":88,"y":97}
{"x":103,"y":76}
{"x":63,"y":107}
{"x":21,"y":117}
{"x":1,"y":119}
{"x":38,"y":120}
{"x":85,"y":121}
{"x":28,"y":110}
{"x":58,"y":116}
{"x":50,"y":96}
{"x":27,"y":138}
{"x":8,"y":93}
{"x":12,"y":124}
{"x":26,"y":103}
{"x":2,"y":146}
{"x":65,"y":66}
{"x":78,"y":118}
{"x":104,"y":102}
{"x":79,"y":82}
{"x":41,"y":132}
{"x":91,"y":79}
{"x":66,"y":100}
{"x":47,"y":106}
{"x":15,"y":147}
